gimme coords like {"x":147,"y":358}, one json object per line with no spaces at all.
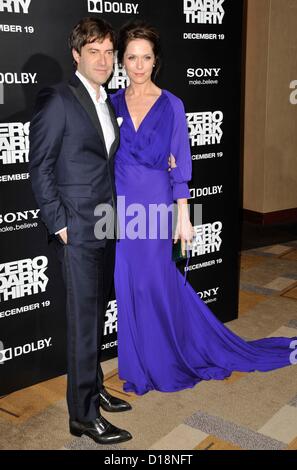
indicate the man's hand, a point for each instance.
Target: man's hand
{"x":63,"y":236}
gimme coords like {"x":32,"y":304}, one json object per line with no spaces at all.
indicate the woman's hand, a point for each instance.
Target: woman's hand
{"x":184,"y":229}
{"x":171,"y":162}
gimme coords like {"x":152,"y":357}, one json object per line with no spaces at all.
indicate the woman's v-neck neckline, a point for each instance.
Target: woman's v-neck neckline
{"x":146,"y":115}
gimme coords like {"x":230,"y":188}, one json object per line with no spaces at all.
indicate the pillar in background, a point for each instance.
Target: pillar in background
{"x":270,"y":144}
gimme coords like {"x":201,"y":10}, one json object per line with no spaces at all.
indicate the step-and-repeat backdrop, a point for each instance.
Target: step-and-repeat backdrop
{"x":202,"y":50}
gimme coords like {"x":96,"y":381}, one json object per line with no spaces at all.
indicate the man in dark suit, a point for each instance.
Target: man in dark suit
{"x":73,"y":139}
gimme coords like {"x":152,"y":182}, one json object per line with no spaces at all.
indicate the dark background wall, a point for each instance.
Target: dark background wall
{"x":202,"y":50}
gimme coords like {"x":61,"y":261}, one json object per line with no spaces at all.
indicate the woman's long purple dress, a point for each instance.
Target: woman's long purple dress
{"x":168,"y":339}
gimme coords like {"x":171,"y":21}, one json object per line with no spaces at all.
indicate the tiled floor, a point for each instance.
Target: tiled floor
{"x":245,"y":411}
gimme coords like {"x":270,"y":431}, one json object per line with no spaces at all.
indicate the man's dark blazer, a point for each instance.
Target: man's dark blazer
{"x":70,"y":170}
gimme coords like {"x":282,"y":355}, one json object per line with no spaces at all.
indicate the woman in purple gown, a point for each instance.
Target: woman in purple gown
{"x":168,"y":339}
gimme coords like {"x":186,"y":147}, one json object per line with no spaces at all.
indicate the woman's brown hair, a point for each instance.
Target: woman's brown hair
{"x":139,"y":30}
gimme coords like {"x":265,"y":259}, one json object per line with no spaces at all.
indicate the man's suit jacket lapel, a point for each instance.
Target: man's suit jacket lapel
{"x":82,"y":95}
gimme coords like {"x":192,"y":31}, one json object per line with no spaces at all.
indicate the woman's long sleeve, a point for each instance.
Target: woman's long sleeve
{"x":180,"y":149}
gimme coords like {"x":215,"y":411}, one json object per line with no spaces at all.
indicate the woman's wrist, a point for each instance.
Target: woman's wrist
{"x":183,"y":210}
{"x":181,"y":203}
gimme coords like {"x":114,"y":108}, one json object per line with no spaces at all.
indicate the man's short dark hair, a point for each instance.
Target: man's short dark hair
{"x":89,"y":30}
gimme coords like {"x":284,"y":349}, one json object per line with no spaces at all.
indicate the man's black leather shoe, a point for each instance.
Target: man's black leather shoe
{"x":113,"y":404}
{"x":100,"y":430}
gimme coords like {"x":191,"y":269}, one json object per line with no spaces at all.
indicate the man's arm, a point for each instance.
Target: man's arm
{"x":46,"y":136}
